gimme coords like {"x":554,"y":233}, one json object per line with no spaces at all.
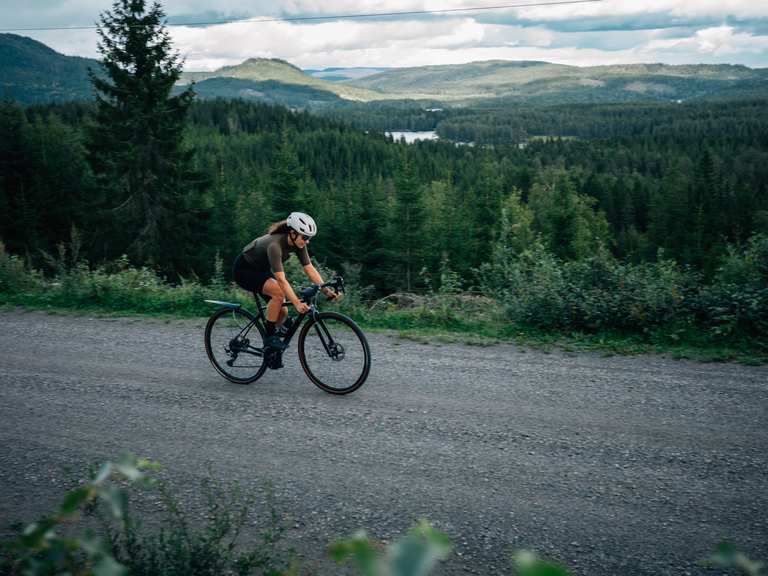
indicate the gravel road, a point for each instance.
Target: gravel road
{"x":611,"y":465}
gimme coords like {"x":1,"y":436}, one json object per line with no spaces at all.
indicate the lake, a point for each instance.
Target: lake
{"x":411,"y":137}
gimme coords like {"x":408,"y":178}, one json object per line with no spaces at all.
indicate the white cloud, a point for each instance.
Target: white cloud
{"x":674,"y":31}
{"x":719,"y":41}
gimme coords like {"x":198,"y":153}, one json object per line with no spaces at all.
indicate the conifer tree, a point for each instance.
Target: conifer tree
{"x":151,"y":194}
{"x":14,"y":178}
{"x":408,"y":225}
{"x":374,"y":255}
{"x":286,"y":179}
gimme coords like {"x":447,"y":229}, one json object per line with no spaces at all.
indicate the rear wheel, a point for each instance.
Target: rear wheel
{"x":233,"y":343}
{"x":334,"y":353}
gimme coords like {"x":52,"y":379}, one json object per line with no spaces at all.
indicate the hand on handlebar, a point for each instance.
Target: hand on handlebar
{"x":301,"y":307}
{"x":331,"y":295}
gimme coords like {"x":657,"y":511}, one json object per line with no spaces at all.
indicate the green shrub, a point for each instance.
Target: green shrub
{"x":43,"y":548}
{"x":604,"y":294}
{"x":737,"y":301}
{"x":530,"y":284}
{"x":416,"y":554}
{"x":14,"y":276}
{"x":125,"y":546}
{"x":210,"y":548}
{"x":593,"y":294}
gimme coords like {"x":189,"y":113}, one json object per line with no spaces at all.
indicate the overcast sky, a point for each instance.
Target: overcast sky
{"x":606,"y":32}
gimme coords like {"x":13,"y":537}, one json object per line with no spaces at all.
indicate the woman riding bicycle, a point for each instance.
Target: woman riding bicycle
{"x":259,"y":269}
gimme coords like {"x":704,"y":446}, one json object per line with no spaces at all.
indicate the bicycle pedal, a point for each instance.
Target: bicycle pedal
{"x":274,"y":360}
{"x":276,"y":364}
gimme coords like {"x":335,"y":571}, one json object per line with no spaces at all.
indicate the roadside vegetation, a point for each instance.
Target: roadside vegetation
{"x":98,"y":530}
{"x":530,"y":297}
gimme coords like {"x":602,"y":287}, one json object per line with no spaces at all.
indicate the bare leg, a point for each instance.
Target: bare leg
{"x":275,"y":310}
{"x":283,"y":314}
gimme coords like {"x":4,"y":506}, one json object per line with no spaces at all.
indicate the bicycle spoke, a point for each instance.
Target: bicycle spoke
{"x":233,"y":343}
{"x":335,"y":354}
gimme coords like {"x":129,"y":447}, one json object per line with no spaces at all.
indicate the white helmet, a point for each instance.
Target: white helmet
{"x":302,"y":223}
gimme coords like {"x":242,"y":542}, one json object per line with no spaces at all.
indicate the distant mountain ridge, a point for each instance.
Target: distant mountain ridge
{"x":269,"y":91}
{"x":31,"y":72}
{"x":274,"y":69}
{"x":532,"y":81}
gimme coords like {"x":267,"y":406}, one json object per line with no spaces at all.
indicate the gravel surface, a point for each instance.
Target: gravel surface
{"x":611,"y":465}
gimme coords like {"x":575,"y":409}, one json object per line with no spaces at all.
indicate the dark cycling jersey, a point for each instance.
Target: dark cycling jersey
{"x":271,"y":250}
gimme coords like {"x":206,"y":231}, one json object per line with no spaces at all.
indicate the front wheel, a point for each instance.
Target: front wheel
{"x":334,"y":353}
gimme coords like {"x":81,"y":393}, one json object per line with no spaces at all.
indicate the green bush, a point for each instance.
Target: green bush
{"x":737,"y":301}
{"x":211,"y":548}
{"x":530,"y":284}
{"x":53,"y":545}
{"x":593,"y":294}
{"x":604,"y":294}
{"x":601,"y":294}
{"x":526,"y":289}
{"x":120,"y":287}
{"x":15,"y":278}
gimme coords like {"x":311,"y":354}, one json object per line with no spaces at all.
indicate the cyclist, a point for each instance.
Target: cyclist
{"x":259,"y":269}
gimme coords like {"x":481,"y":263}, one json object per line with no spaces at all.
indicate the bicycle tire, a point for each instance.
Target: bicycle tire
{"x":240,"y":319}
{"x":316,"y":360}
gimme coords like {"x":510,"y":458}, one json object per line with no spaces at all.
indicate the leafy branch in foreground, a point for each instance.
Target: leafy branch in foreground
{"x":41,"y":549}
{"x":727,"y":556}
{"x":45,"y":547}
{"x":181,"y":545}
{"x":416,"y":554}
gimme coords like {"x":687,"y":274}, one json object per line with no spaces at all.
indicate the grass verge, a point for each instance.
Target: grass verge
{"x":439,"y":328}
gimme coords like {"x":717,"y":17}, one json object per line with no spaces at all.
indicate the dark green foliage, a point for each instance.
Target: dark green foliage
{"x":415,"y":554}
{"x":206,"y":543}
{"x":285,"y":179}
{"x":15,"y":278}
{"x":45,"y":548}
{"x":150,"y":205}
{"x":729,"y":557}
{"x":596,"y":293}
{"x":737,"y":302}
{"x":406,"y":235}
{"x":183,"y":544}
{"x":528,"y":564}
{"x":687,"y":179}
{"x":45,"y":182}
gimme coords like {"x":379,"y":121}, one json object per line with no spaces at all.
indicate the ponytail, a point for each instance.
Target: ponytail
{"x":280,"y":227}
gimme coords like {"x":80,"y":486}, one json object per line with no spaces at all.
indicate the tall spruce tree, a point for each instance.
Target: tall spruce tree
{"x":285,"y":179}
{"x":151,"y":193}
{"x":408,"y":225}
{"x":15,"y":171}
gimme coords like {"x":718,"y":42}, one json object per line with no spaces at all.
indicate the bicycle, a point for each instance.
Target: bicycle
{"x":333,"y":350}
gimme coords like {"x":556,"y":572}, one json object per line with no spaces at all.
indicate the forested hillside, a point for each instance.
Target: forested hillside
{"x":534,"y":82}
{"x":31,"y":72}
{"x":688,"y":179}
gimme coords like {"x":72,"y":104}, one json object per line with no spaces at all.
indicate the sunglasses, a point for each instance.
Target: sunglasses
{"x":306,"y":238}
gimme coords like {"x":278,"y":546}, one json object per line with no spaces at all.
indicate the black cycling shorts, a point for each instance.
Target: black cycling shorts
{"x":248,"y":276}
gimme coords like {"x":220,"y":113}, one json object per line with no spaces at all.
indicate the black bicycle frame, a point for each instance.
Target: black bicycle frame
{"x":262,"y":319}
{"x":326,"y":339}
